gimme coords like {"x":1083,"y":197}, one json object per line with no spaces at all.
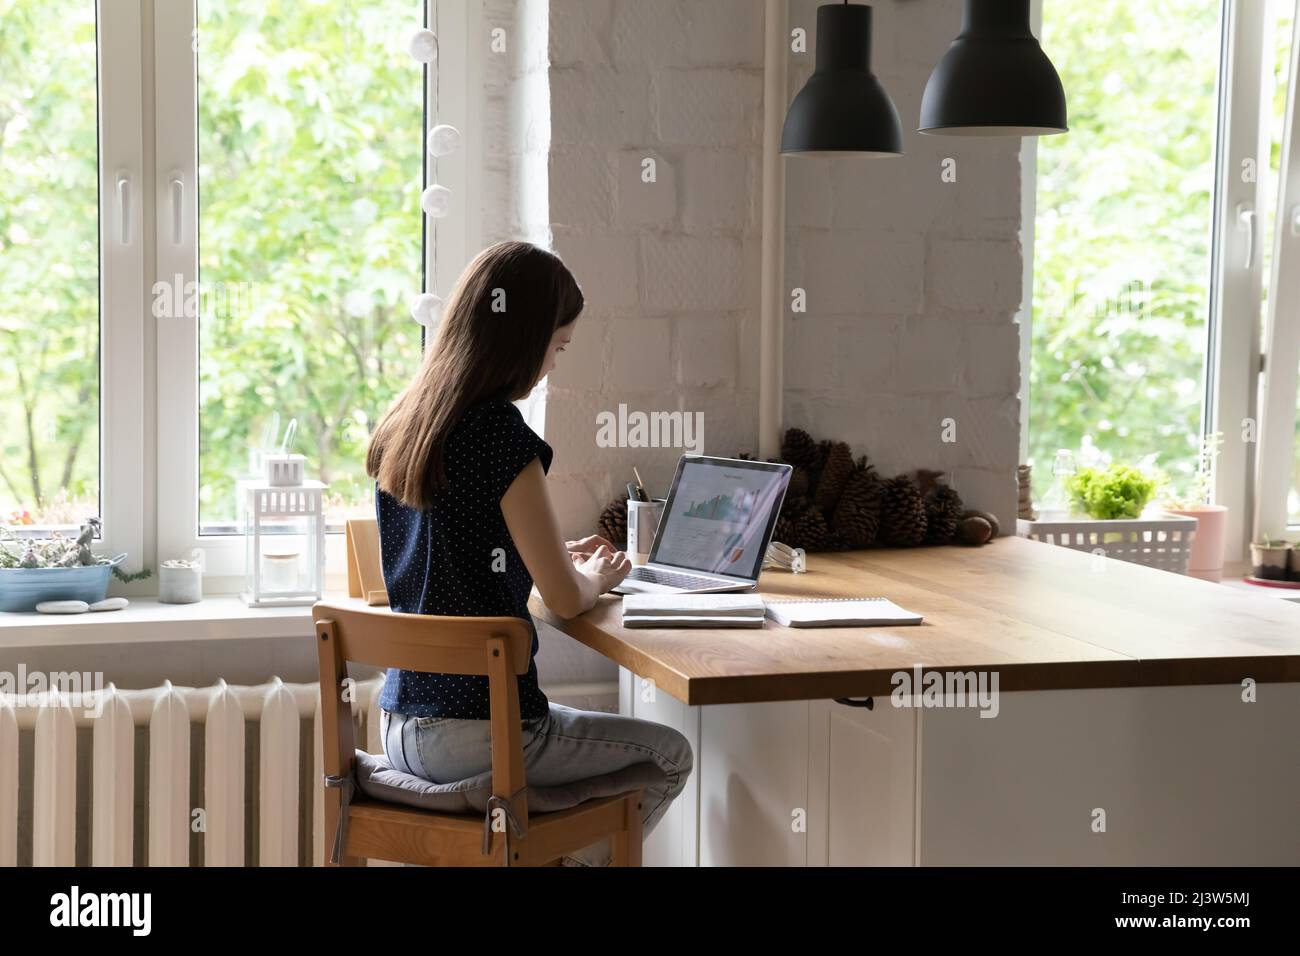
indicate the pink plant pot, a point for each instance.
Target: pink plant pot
{"x":1206,"y":560}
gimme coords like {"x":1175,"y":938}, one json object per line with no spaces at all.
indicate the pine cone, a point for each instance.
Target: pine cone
{"x":902,"y":520}
{"x":927,"y":479}
{"x":943,"y":511}
{"x":838,"y":467}
{"x":784,"y":532}
{"x":798,"y":448}
{"x":836,"y":541}
{"x":800,"y":484}
{"x":857,"y":516}
{"x":810,"y":530}
{"x":801,"y":525}
{"x":791,"y":508}
{"x":613,"y":522}
{"x":819,"y":459}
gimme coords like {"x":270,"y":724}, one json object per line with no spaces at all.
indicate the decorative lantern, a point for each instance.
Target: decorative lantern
{"x":284,"y":535}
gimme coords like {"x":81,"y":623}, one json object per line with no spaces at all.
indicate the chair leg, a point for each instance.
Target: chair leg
{"x":626,"y":843}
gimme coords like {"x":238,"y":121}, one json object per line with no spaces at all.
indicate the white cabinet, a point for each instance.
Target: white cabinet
{"x":673,"y":842}
{"x":862,"y":772}
{"x":1183,"y":775}
{"x":754,"y":792}
{"x":790,"y":783}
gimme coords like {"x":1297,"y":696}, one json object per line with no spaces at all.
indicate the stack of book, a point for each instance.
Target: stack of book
{"x":693,"y":610}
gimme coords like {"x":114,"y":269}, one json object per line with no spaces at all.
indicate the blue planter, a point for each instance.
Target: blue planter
{"x":21,"y":589}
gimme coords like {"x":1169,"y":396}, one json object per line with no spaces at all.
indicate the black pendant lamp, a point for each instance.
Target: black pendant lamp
{"x":995,"y":80}
{"x":842,"y":109}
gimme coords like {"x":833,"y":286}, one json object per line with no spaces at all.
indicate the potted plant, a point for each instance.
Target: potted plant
{"x":57,"y":568}
{"x":1121,"y":491}
{"x":1109,"y":516}
{"x":1206,"y":560}
{"x":1269,"y":559}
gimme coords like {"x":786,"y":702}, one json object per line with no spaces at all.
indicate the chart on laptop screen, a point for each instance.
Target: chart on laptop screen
{"x":717,"y":518}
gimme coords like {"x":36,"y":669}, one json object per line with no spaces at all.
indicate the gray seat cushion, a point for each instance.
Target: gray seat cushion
{"x":378,"y":780}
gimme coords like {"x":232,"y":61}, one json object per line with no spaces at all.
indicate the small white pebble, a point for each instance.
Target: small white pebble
{"x":110,"y":604}
{"x":63,"y":607}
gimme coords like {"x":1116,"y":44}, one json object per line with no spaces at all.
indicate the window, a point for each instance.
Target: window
{"x":1122,"y":260}
{"x":1166,"y":255}
{"x":287,"y":144}
{"x":310,"y":238}
{"x":291,"y":156}
{"x":49,"y":264}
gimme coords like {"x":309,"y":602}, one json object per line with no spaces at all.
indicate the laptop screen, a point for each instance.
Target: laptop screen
{"x":720,"y":515}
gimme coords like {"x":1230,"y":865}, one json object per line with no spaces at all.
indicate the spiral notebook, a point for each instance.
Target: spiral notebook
{"x":839,"y":612}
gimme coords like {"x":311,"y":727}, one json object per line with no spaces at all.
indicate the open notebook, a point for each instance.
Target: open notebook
{"x":839,"y":612}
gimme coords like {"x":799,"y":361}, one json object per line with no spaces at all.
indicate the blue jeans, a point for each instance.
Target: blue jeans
{"x":564,"y":746}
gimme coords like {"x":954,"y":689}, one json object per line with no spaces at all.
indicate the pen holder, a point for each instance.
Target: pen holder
{"x":642,"y":520}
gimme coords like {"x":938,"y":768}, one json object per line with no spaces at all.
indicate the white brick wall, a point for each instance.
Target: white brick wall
{"x":516,"y":123}
{"x":912,"y":283}
{"x":670,"y":267}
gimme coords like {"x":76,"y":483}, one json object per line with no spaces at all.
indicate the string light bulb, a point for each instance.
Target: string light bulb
{"x":426,"y":308}
{"x":423,"y":45}
{"x":444,"y":140}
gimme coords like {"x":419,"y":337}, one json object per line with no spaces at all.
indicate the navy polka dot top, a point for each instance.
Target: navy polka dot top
{"x":445,"y":559}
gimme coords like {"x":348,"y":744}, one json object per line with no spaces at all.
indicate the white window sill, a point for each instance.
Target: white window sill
{"x":146,"y":621}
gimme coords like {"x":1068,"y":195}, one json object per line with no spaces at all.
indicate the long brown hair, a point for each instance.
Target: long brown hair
{"x":491,"y":343}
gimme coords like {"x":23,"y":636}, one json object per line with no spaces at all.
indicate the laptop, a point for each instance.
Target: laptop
{"x":715,"y":528}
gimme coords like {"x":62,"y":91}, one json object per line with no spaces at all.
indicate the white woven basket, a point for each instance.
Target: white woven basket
{"x":1164,"y":543}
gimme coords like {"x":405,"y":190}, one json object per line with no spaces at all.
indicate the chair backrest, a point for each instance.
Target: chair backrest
{"x":365,"y":567}
{"x":495,"y":647}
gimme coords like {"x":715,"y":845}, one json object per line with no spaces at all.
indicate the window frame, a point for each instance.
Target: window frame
{"x":447,"y":246}
{"x":1232,"y":357}
{"x":122,"y":300}
{"x":1279,"y":379}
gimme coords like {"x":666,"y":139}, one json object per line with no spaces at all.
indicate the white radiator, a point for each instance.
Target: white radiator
{"x":166,"y":811}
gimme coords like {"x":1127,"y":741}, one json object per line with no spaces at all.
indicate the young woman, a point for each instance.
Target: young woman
{"x":466,"y":528}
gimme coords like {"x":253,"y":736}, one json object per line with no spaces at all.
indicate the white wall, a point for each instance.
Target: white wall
{"x":669,"y":268}
{"x":514,"y":203}
{"x":913,"y":284}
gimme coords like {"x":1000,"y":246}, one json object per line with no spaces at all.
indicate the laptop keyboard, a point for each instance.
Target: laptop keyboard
{"x":670,"y":578}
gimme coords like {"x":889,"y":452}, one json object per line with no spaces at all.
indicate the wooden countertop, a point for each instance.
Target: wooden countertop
{"x":1043,"y":616}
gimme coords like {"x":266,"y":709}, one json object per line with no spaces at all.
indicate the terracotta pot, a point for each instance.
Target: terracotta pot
{"x":1206,"y":560}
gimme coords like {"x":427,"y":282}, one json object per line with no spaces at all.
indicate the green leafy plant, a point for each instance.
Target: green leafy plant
{"x":1121,"y":491}
{"x":58,"y":551}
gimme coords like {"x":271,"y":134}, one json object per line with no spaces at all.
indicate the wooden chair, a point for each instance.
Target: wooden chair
{"x":495,"y":647}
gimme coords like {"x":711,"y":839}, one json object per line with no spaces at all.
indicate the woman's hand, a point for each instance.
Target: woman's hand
{"x":605,"y":567}
{"x":584,"y":548}
{"x":569,"y":582}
